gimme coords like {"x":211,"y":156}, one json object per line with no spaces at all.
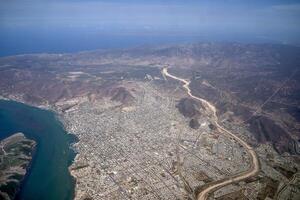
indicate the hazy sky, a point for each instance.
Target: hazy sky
{"x":278,"y":19}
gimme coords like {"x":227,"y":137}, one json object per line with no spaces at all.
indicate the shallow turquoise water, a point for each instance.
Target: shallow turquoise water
{"x":48,"y":178}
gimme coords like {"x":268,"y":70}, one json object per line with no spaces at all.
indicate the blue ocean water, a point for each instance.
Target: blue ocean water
{"x":48,"y":177}
{"x":27,"y":40}
{"x":23,"y":41}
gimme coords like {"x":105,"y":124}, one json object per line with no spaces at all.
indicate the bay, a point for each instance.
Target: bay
{"x":48,"y":177}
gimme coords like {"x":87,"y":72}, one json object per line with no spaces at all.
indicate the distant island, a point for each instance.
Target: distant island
{"x":15,"y":156}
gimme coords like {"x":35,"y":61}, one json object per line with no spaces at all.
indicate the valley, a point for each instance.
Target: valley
{"x":220,"y":121}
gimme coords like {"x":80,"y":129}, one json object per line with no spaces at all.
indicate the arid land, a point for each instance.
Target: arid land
{"x":142,"y":136}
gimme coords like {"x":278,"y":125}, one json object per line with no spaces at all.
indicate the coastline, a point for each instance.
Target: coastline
{"x":28,"y":169}
{"x":73,"y":139}
{"x":20,"y":168}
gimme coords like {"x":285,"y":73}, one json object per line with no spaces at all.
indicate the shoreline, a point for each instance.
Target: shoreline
{"x":24,"y":175}
{"x":28,"y":169}
{"x":72,"y":141}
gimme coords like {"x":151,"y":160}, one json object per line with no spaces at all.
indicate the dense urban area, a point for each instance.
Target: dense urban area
{"x":145,"y":135}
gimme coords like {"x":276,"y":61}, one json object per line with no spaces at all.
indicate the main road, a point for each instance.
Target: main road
{"x":254,"y":166}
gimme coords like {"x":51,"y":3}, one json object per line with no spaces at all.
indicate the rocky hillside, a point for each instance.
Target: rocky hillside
{"x":253,"y":85}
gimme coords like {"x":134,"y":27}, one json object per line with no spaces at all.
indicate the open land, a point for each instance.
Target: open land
{"x":231,"y":132}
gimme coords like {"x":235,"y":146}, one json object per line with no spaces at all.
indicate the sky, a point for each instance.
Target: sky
{"x":274,"y":20}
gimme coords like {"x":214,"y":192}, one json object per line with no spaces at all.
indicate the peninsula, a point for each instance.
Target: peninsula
{"x":16,"y":153}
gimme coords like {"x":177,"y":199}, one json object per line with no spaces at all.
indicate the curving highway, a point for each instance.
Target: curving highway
{"x":254,"y":167}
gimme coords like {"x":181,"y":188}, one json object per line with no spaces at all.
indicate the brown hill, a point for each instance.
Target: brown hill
{"x":188,"y":107}
{"x":122,"y":95}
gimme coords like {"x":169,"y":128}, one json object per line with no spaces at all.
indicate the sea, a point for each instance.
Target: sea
{"x":14,"y":41}
{"x":48,"y":177}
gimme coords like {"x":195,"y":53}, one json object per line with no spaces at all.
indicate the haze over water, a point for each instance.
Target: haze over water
{"x":53,"y":26}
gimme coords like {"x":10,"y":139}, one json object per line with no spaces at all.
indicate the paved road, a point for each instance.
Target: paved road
{"x":254,"y":167}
